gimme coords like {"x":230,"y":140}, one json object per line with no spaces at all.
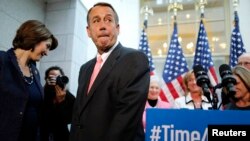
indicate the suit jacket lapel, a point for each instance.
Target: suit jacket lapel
{"x":34,"y":70}
{"x":36,"y":76}
{"x":83,"y":87}
{"x":13,"y":59}
{"x":106,"y":68}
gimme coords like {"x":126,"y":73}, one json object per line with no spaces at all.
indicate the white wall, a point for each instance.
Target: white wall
{"x":60,"y":19}
{"x":244,"y":13}
{"x":15,"y":12}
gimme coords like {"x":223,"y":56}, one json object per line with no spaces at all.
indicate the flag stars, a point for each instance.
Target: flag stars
{"x":174,"y":60}
{"x":237,"y":46}
{"x":143,"y":46}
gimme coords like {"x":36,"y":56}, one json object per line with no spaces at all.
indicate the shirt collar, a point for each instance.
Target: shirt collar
{"x":105,"y":55}
{"x":189,"y":98}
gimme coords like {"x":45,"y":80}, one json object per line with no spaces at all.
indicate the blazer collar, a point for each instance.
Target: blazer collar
{"x":34,"y":70}
{"x":105,"y":70}
{"x":189,"y":99}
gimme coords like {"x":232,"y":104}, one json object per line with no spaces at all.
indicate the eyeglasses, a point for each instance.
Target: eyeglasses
{"x":243,"y":63}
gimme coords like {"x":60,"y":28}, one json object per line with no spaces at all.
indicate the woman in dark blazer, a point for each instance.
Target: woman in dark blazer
{"x":21,"y":93}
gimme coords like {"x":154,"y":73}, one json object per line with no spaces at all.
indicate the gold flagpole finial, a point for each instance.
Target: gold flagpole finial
{"x":235,"y":4}
{"x":146,"y":11}
{"x":175,"y":5}
{"x":201,"y":5}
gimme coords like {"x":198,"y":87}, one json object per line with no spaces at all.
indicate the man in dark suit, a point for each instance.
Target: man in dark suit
{"x":111,"y":109}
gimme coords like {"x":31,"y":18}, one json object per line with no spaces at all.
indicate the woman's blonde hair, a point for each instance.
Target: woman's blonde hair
{"x":186,"y":79}
{"x":244,"y":75}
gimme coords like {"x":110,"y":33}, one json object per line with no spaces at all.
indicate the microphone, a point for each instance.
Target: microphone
{"x":202,"y":80}
{"x":228,"y":81}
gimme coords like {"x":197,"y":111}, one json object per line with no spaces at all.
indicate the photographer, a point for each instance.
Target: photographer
{"x":58,"y":104}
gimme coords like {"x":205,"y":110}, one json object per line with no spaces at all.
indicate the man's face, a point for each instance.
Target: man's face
{"x":244,"y":61}
{"x":102,"y":28}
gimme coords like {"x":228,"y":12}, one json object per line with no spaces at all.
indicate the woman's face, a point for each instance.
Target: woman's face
{"x":40,"y":50}
{"x":240,"y":88}
{"x":154,"y":90}
{"x":191,"y":84}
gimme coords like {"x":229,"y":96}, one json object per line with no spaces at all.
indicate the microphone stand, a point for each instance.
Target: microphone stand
{"x":215,"y":100}
{"x":215,"y":96}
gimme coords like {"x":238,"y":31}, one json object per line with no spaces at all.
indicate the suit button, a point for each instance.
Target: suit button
{"x":21,"y":113}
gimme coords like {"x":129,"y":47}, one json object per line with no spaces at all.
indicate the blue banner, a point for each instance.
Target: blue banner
{"x":192,"y":125}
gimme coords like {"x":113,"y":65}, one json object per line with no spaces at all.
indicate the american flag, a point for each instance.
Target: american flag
{"x":144,"y":47}
{"x":237,"y":46}
{"x":175,"y":68}
{"x":203,"y":54}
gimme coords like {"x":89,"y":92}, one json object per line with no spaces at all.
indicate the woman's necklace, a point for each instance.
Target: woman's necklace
{"x":28,"y":80}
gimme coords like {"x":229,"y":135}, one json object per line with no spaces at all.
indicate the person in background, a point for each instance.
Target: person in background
{"x":154,"y":100}
{"x":244,"y":60}
{"x":21,"y":92}
{"x":194,"y":98}
{"x":111,"y":109}
{"x":241,"y":99}
{"x":58,"y":105}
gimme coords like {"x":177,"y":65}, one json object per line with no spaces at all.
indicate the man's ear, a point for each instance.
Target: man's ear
{"x":88,"y":31}
{"x":118,"y":28}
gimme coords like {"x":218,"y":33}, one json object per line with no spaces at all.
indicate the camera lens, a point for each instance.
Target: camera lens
{"x":62,"y":81}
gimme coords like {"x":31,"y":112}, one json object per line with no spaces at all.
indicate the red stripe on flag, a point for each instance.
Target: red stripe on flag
{"x":172,"y":90}
{"x":152,"y":73}
{"x":212,"y":71}
{"x":163,"y":96}
{"x":180,"y":80}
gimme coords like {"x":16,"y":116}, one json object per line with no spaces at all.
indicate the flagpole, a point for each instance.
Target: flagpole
{"x":144,"y":47}
{"x":203,"y":57}
{"x":236,"y":19}
{"x":237,"y":45}
{"x":175,"y":64}
{"x":175,"y":6}
{"x":146,"y":11}
{"x":201,"y":4}
{"x":235,"y":4}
